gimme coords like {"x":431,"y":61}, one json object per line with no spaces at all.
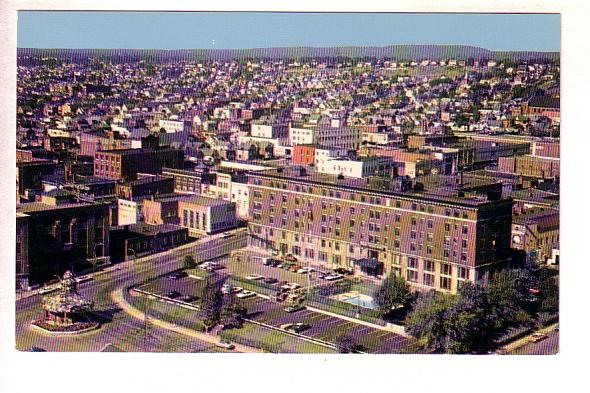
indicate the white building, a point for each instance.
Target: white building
{"x":358,"y":168}
{"x":171,"y":126}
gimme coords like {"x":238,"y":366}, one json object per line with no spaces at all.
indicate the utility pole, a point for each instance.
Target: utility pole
{"x":145,"y":324}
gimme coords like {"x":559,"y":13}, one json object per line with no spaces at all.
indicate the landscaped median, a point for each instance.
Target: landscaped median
{"x":273,"y":340}
{"x":121,"y":299}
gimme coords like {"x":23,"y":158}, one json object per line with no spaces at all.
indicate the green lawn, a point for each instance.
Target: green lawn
{"x":271,"y":340}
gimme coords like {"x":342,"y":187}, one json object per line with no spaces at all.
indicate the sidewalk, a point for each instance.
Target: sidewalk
{"x":118,"y":298}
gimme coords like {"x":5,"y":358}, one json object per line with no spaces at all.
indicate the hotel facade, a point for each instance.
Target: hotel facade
{"x":434,"y":234}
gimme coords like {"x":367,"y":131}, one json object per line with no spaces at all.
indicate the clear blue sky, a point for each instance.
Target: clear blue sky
{"x":177,"y":30}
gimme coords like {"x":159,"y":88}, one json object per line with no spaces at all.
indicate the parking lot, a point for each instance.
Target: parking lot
{"x":322,"y":327}
{"x":325,"y":327}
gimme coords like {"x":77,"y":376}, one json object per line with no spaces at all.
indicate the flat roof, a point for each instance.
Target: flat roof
{"x":33,"y":207}
{"x":437,"y":188}
{"x":205,"y":201}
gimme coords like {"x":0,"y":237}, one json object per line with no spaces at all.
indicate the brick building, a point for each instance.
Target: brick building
{"x":435,"y":233}
{"x":61,"y":237}
{"x":125,"y":164}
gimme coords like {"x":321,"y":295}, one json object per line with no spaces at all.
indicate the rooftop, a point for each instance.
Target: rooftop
{"x":436,"y":188}
{"x":33,"y":207}
{"x":205,"y":201}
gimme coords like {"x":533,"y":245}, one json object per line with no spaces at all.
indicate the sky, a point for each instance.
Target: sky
{"x":224,"y":30}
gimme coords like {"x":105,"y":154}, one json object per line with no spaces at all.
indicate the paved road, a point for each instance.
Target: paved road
{"x":549,"y":346}
{"x":120,"y":328}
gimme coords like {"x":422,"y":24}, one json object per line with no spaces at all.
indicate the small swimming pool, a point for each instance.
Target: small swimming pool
{"x":358,"y":299}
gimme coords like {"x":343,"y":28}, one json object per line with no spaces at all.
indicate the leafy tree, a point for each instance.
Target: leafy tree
{"x":345,"y":344}
{"x":549,"y":291}
{"x":393,"y":292}
{"x":233,"y":313}
{"x":189,"y":262}
{"x":428,"y":320}
{"x":509,"y":299}
{"x":211,"y":301}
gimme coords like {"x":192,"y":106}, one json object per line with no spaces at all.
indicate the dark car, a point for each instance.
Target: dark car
{"x":270,"y":280}
{"x":294,"y":308}
{"x":173,"y":294}
{"x":37,"y":349}
{"x":178,"y":275}
{"x":188,"y":298}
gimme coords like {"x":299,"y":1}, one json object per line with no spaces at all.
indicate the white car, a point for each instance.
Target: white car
{"x":245,"y":294}
{"x":254,"y":277}
{"x":304,"y":270}
{"x":45,"y":290}
{"x":291,"y":286}
{"x":333,"y":277}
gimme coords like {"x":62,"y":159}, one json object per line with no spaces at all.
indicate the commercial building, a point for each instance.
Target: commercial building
{"x":303,"y":155}
{"x":125,"y":164}
{"x":536,"y":230}
{"x":435,"y":232}
{"x":135,"y":241}
{"x":189,"y":181}
{"x":61,"y":237}
{"x":360,"y":167}
{"x":202,"y":215}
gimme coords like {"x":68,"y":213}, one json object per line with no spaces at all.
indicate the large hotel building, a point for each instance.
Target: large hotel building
{"x":435,"y":231}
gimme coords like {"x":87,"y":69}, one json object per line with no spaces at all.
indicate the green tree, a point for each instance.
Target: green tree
{"x":211,"y":301}
{"x":549,"y":291}
{"x":508,"y":297}
{"x":428,"y":322}
{"x":394,"y":292}
{"x":189,"y":262}
{"x":345,"y":344}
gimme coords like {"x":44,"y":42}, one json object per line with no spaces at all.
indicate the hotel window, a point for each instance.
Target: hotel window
{"x":283,"y":221}
{"x":445,"y":283}
{"x":351,"y":210}
{"x":412,"y":247}
{"x":351,"y":248}
{"x":465,"y":229}
{"x":398,"y":218}
{"x":445,"y":269}
{"x":414,"y":221}
{"x":428,"y":250}
{"x":447,"y":212}
{"x":412,"y":263}
{"x":185,"y":218}
{"x":465,"y":215}
{"x":430,"y":224}
{"x":337,"y":232}
{"x":464,"y":243}
{"x":396,"y":244}
{"x":398,"y":204}
{"x":377,"y":216}
{"x":337,"y":246}
{"x":322,"y":256}
{"x":351,"y":223}
{"x":463,"y":256}
{"x":191,"y":219}
{"x":413,"y":234}
{"x":371,"y":214}
{"x":284,"y":198}
{"x":429,"y":266}
{"x":337,"y":220}
{"x":412,"y":275}
{"x":429,"y":279}
{"x":446,"y":253}
{"x":429,"y":236}
{"x":351,"y":235}
{"x":447,"y":227}
{"x":463,"y":273}
{"x":397,"y":231}
{"x":414,"y":206}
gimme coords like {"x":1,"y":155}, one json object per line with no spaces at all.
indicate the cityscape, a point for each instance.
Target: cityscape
{"x":397,"y":199}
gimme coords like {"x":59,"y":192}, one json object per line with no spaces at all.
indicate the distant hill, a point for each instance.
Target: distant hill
{"x":392,"y":52}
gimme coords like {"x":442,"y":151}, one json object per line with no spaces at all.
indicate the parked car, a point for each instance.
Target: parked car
{"x":236,"y":289}
{"x":37,"y":349}
{"x":254,"y":277}
{"x":84,"y":279}
{"x":333,"y":277}
{"x":294,"y":308}
{"x":172,"y":294}
{"x":305,"y":270}
{"x":535,"y":338}
{"x":226,"y":235}
{"x":225,"y":344}
{"x":290,"y":286}
{"x":295,"y":327}
{"x":177,"y":275}
{"x":188,"y":298}
{"x":270,"y":280}
{"x":294,"y":268}
{"x":290,"y":258}
{"x":46,"y":290}
{"x":245,"y":294}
